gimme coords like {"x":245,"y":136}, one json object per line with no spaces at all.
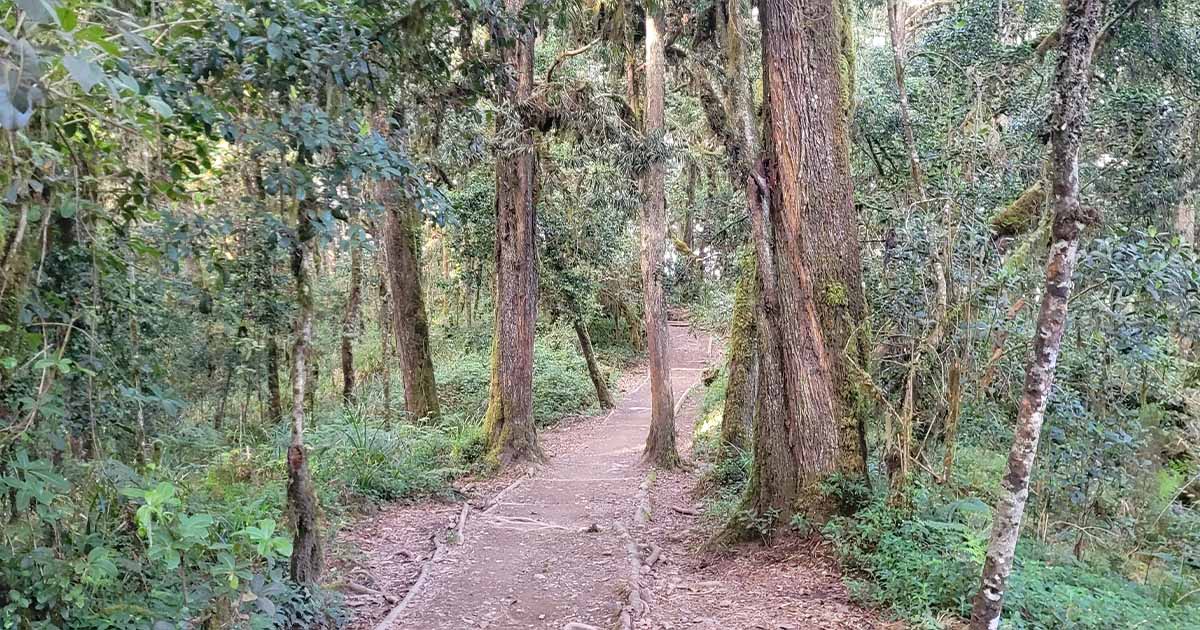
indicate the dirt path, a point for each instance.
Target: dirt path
{"x":559,"y":547}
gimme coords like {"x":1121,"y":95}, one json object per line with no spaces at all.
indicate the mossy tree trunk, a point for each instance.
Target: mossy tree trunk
{"x":741,"y":390}
{"x":409,"y":318}
{"x":1081,"y":27}
{"x":351,"y":321}
{"x":306,"y":561}
{"x":509,"y":423}
{"x":589,"y":356}
{"x":805,"y":233}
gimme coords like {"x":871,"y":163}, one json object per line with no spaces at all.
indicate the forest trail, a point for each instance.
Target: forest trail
{"x":556,"y":548}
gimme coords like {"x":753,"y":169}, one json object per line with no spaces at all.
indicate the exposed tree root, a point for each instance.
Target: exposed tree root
{"x":460,"y":532}
{"x":422,"y":577}
{"x":359,"y":589}
{"x":642,"y":515}
{"x":495,"y":502}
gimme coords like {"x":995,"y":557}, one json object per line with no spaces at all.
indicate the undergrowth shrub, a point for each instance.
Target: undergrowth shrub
{"x":925,"y":567}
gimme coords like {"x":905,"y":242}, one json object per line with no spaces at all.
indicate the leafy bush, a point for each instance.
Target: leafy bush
{"x":925,"y":566}
{"x":113,"y":549}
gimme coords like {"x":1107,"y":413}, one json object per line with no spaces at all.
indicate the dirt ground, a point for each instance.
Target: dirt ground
{"x":590,"y":539}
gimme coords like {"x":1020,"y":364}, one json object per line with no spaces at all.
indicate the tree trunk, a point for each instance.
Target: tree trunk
{"x":350,"y":321}
{"x":808,"y":266}
{"x":402,"y":262}
{"x":306,"y":561}
{"x":508,"y":424}
{"x":585,"y":348}
{"x":896,"y":19}
{"x":385,"y":344}
{"x":1081,"y":23}
{"x":689,"y":222}
{"x":274,"y":397}
{"x":660,"y":443}
{"x":741,"y":390}
{"x":1185,"y":220}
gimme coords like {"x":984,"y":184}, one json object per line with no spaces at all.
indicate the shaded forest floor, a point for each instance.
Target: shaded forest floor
{"x":590,"y":539}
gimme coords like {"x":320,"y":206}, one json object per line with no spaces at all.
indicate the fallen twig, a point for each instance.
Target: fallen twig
{"x":687,"y":511}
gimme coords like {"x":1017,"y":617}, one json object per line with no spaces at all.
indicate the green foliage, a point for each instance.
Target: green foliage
{"x":925,"y":566}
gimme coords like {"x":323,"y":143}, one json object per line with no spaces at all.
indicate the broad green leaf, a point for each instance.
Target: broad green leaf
{"x":84,"y":71}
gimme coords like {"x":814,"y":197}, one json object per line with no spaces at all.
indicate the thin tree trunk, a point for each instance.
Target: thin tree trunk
{"x":350,"y":322}
{"x":896,"y":19}
{"x":952,"y":415}
{"x":593,"y":367}
{"x":274,"y":397}
{"x":1081,"y":24}
{"x":385,"y":345}
{"x":410,"y":320}
{"x":660,"y":443}
{"x":689,"y":222}
{"x":306,"y":561}
{"x":741,"y":390}
{"x":508,"y":424}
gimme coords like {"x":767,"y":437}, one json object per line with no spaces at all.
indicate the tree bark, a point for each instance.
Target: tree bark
{"x":350,"y":321}
{"x":1081,"y":25}
{"x":508,"y":424}
{"x":593,"y":367}
{"x":409,"y":317}
{"x":741,"y":390}
{"x":410,"y":320}
{"x":805,"y":233}
{"x":306,"y":561}
{"x":274,"y":396}
{"x":660,"y":443}
{"x":896,"y":27}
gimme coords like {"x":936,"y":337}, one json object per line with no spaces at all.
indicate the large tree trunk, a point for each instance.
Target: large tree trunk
{"x":508,"y":424}
{"x":660,"y":443}
{"x":1081,"y":24}
{"x":593,"y":367}
{"x":896,"y":20}
{"x":741,"y":390}
{"x":410,"y":320}
{"x":306,"y":561}
{"x":409,"y":317}
{"x":810,"y":295}
{"x":350,"y":321}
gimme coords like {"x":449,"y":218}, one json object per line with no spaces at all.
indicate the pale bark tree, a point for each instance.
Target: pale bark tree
{"x":660,"y":443}
{"x":897,"y":19}
{"x":741,"y":388}
{"x":508,"y":423}
{"x":1078,"y":37}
